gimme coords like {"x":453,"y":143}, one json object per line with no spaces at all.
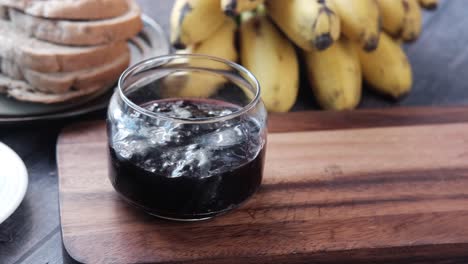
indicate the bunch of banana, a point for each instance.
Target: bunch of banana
{"x":234,"y":8}
{"x":310,"y":24}
{"x":401,"y":18}
{"x":360,"y":21}
{"x":335,"y":75}
{"x":193,"y":21}
{"x":387,"y":69}
{"x":343,"y":42}
{"x":222,"y":45}
{"x":269,"y":55}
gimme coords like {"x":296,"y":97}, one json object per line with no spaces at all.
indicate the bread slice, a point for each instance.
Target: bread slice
{"x":42,"y":56}
{"x":23,"y":91}
{"x":70,"y":9}
{"x":64,"y":82}
{"x":69,"y":32}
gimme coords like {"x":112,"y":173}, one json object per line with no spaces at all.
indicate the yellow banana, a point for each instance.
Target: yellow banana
{"x":235,"y":7}
{"x":360,"y":21}
{"x":399,"y":41}
{"x":308,"y":23}
{"x":401,"y":18}
{"x":387,"y":68}
{"x":269,"y":55}
{"x":429,"y":4}
{"x":193,"y":21}
{"x":335,"y":76}
{"x":222,"y":45}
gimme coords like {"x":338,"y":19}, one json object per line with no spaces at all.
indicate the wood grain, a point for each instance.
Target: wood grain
{"x":399,"y":116}
{"x":332,"y":192}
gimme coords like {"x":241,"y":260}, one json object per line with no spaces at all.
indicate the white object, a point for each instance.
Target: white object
{"x":13,"y":181}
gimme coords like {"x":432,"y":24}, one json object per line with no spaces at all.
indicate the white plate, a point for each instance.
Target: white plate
{"x":13,"y":181}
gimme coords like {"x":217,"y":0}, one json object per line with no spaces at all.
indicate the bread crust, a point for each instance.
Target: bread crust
{"x":80,"y":33}
{"x":70,"y":9}
{"x":63,"y":82}
{"x":22,"y":91}
{"x":43,"y":56}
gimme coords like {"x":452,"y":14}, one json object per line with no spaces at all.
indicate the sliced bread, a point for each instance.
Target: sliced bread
{"x":23,"y":91}
{"x":70,"y":9}
{"x":64,"y":82}
{"x":90,"y":32}
{"x":43,"y":56}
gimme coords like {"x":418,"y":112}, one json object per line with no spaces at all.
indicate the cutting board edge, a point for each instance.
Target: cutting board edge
{"x":368,"y":255}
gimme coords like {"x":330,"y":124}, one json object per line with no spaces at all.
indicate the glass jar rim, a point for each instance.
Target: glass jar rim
{"x":251,"y":79}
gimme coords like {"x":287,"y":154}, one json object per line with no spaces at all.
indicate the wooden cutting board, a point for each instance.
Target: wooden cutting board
{"x":363,"y":186}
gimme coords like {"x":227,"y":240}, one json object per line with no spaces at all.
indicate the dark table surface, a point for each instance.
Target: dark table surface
{"x":32,"y":233}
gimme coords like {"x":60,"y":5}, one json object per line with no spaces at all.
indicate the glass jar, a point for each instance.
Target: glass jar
{"x":187,"y":136}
